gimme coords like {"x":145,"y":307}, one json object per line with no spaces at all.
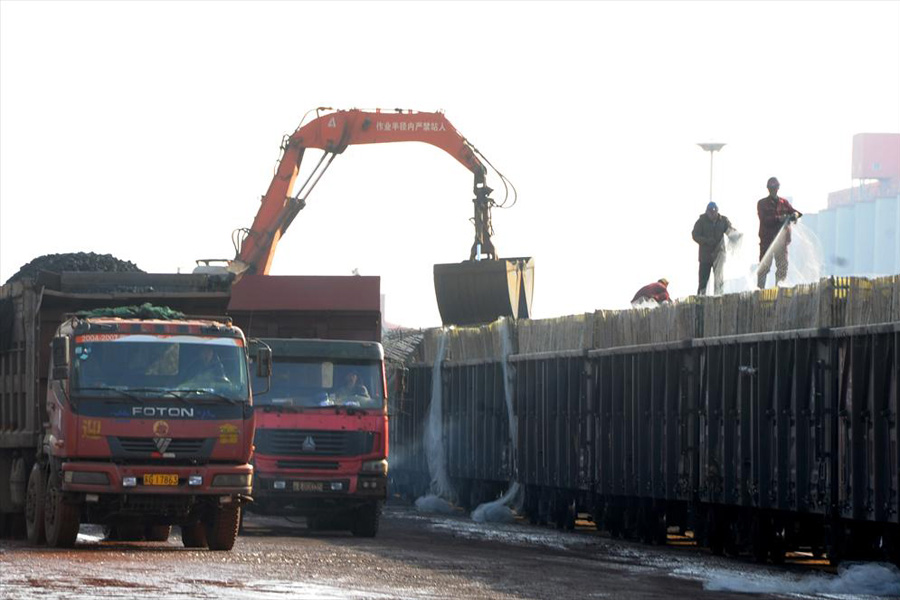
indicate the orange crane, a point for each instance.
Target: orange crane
{"x":478,"y":290}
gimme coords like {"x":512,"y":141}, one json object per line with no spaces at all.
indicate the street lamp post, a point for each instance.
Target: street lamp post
{"x":711,"y":148}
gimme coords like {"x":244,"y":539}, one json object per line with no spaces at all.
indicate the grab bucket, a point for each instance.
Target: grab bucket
{"x":476,"y":292}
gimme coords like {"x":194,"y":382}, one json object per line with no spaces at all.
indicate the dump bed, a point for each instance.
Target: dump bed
{"x":31,"y":310}
{"x":305,"y":306}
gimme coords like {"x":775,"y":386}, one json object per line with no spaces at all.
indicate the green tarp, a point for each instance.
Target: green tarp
{"x":144,"y":311}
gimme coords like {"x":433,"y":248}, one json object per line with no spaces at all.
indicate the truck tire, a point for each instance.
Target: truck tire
{"x":61,"y":520}
{"x":34,"y":505}
{"x":365,"y":523}
{"x":157,"y":533}
{"x":223,"y":529}
{"x":193,"y":536}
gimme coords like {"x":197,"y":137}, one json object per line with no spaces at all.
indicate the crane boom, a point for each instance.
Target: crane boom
{"x":333,"y":132}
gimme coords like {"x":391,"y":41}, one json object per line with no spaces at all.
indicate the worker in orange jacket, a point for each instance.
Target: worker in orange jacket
{"x":775,"y":213}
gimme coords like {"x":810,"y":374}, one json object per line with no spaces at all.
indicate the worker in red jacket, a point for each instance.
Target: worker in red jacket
{"x":653,"y":291}
{"x":775,"y":213}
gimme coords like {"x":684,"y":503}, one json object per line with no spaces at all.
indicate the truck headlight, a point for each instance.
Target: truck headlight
{"x":232,"y":480}
{"x":375,"y":467}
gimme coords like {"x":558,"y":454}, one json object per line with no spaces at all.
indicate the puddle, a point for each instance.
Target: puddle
{"x":265,"y":590}
{"x":511,"y":533}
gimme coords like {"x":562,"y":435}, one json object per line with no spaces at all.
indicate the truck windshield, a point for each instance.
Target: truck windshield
{"x":322,"y":383}
{"x":176,"y":365}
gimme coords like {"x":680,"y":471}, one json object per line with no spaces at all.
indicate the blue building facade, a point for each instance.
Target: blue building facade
{"x":860,"y":230}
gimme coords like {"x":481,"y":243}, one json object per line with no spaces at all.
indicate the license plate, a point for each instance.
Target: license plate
{"x":307,"y":486}
{"x":160,"y":479}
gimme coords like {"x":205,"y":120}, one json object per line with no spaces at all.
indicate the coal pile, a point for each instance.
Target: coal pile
{"x":400,"y":344}
{"x":73,"y":261}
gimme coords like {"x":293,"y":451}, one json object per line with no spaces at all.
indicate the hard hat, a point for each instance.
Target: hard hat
{"x":712,"y":206}
{"x":664,"y":281}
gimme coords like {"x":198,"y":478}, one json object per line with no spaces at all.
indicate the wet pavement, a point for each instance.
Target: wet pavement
{"x":415,"y":555}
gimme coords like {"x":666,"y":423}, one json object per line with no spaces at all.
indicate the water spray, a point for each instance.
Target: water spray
{"x":434,"y":438}
{"x":498,"y":510}
{"x":806,"y":264}
{"x":776,"y":243}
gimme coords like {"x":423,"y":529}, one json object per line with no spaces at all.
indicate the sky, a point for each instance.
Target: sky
{"x":150,"y":131}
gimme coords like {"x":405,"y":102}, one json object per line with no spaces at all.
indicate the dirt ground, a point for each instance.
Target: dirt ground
{"x":414,"y":556}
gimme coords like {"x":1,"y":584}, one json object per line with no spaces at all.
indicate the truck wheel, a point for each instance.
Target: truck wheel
{"x":193,"y":536}
{"x":34,"y":506}
{"x":367,"y":519}
{"x":157,"y":533}
{"x":61,"y":520}
{"x":223,"y":530}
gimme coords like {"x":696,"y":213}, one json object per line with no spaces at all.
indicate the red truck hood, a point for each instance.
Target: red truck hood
{"x":326,"y":419}
{"x":203,"y":436}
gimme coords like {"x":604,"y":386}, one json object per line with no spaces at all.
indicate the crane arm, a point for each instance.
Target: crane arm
{"x":332,"y":133}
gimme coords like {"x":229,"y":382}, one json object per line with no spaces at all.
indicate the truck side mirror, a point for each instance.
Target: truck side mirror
{"x":263,"y":362}
{"x":60,"y":350}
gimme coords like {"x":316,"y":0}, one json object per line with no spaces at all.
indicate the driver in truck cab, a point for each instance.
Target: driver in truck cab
{"x":207,"y":367}
{"x":352,"y":386}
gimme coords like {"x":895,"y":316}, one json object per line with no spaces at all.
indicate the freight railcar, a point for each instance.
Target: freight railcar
{"x":760,"y":443}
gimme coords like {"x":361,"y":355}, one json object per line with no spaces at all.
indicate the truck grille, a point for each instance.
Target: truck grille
{"x":307,"y":464}
{"x":310,"y":442}
{"x":131,"y":447}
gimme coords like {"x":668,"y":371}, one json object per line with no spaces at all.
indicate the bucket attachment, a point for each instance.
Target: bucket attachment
{"x":481,"y":291}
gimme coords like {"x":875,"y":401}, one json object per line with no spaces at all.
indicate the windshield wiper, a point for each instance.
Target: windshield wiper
{"x":207,"y":391}
{"x":122,"y":393}
{"x":351,"y":409}
{"x":162,"y":391}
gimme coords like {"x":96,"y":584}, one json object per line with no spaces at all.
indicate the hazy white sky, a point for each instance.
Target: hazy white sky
{"x":150,"y":130}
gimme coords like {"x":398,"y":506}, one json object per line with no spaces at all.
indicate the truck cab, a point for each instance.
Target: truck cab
{"x":321,"y":441}
{"x":149,"y":422}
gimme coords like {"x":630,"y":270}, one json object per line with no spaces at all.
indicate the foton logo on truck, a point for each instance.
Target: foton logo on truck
{"x":173,"y":412}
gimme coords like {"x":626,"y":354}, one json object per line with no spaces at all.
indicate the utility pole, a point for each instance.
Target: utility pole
{"x":712,"y":148}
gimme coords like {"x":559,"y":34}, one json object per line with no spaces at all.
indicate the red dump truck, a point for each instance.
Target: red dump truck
{"x":136,"y":420}
{"x":321,"y":421}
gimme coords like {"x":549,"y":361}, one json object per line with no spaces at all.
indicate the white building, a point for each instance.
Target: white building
{"x":860,"y":230}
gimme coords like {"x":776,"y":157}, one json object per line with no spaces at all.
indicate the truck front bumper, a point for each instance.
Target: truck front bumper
{"x":110,"y":478}
{"x":282,"y":486}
